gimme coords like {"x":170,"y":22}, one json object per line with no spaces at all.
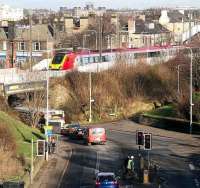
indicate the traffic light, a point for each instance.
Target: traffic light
{"x":139,"y":138}
{"x":147,"y":141}
{"x":40,"y":147}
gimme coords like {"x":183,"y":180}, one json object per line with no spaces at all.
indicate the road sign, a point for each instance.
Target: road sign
{"x":40,"y":147}
{"x":48,"y":130}
{"x":140,"y":138}
{"x":147,"y":141}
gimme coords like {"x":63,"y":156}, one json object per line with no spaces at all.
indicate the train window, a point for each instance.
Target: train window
{"x":103,"y":59}
{"x":91,"y":59}
{"x":96,"y":59}
{"x":85,"y":60}
{"x":58,"y":58}
{"x":140,"y":55}
{"x":153,"y":54}
{"x":107,"y":58}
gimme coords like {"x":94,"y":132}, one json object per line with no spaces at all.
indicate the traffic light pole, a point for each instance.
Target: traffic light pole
{"x":148,"y":159}
{"x":31,"y":172}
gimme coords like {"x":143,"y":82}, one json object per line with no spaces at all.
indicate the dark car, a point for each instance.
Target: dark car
{"x":106,"y":180}
{"x":72,"y":130}
{"x":79,"y":133}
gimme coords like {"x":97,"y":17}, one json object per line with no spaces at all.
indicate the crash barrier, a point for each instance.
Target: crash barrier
{"x":173,"y":124}
{"x":10,"y":184}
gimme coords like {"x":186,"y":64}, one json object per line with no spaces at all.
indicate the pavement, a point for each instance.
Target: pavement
{"x":52,"y":172}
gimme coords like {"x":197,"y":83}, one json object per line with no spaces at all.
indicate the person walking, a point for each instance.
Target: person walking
{"x":53,"y":144}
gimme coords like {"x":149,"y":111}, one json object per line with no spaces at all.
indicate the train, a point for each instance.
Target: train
{"x":86,"y":60}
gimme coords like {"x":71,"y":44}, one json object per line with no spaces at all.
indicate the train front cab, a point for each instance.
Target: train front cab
{"x":62,"y":61}
{"x":58,"y":61}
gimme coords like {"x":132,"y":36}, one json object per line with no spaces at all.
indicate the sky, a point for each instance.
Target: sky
{"x":138,"y":4}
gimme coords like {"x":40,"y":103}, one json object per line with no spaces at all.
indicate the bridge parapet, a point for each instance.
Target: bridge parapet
{"x":10,"y":76}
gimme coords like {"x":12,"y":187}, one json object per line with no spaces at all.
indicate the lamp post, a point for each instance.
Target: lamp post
{"x":191,"y":74}
{"x":90,"y":91}
{"x":90,"y":88}
{"x":94,"y":31}
{"x":178,"y":75}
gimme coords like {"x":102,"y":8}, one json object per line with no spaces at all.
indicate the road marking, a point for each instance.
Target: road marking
{"x":64,"y":171}
{"x":192,"y":167}
{"x":98,"y":161}
{"x":196,"y":182}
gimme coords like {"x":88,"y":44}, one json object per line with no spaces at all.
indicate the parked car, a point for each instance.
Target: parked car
{"x":65,"y":130}
{"x":69,"y":129}
{"x":95,"y":135}
{"x":106,"y":180}
{"x":79,"y":133}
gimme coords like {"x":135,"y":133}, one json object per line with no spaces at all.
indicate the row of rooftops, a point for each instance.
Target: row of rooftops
{"x":40,"y":32}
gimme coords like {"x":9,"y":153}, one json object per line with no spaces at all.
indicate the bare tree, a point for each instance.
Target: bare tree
{"x":34,"y":103}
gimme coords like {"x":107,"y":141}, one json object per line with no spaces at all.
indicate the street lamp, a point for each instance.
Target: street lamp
{"x":90,"y":86}
{"x":191,"y":74}
{"x":90,"y":90}
{"x":94,"y":31}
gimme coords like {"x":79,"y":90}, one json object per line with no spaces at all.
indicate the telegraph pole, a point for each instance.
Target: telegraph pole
{"x":117,"y":32}
{"x":30,"y":43}
{"x":100,"y":39}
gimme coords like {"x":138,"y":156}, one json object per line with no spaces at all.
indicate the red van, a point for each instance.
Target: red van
{"x":95,"y":136}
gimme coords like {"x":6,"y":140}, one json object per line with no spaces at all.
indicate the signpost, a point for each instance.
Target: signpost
{"x":40,"y":147}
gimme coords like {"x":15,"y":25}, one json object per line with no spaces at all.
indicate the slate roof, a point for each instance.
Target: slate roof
{"x":39,"y":33}
{"x":143,"y":27}
{"x":175,"y":16}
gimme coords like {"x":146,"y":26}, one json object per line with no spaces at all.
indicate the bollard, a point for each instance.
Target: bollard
{"x":146,"y":177}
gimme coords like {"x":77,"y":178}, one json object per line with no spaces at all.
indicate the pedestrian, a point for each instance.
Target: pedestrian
{"x":130,"y":165}
{"x":53,"y":144}
{"x":125,"y":165}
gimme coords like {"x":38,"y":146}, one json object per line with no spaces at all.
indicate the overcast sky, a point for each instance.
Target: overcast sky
{"x":55,"y":4}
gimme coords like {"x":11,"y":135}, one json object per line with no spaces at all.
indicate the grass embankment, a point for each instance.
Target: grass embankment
{"x":22,"y":134}
{"x":167,"y":111}
{"x":15,"y":147}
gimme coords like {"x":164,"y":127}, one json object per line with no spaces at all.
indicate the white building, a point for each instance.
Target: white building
{"x":10,"y":14}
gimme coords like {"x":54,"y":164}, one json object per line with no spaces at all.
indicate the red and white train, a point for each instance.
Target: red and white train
{"x":86,"y":60}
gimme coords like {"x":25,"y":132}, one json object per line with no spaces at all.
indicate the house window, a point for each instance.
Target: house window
{"x":4,"y":45}
{"x":21,"y":46}
{"x":36,"y":46}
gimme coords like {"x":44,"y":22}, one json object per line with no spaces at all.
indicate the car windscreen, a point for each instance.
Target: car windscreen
{"x":106,"y":178}
{"x":58,"y":58}
{"x":56,"y":124}
{"x":74,"y":126}
{"x":97,"y":131}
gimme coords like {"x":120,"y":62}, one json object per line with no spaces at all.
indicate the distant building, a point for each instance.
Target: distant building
{"x":142,"y":33}
{"x":19,"y":47}
{"x":176,"y":22}
{"x":10,"y":14}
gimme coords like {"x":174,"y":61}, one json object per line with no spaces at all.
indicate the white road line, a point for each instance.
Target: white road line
{"x":196,"y":182}
{"x":64,"y":171}
{"x":191,"y":166}
{"x":97,"y":162}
